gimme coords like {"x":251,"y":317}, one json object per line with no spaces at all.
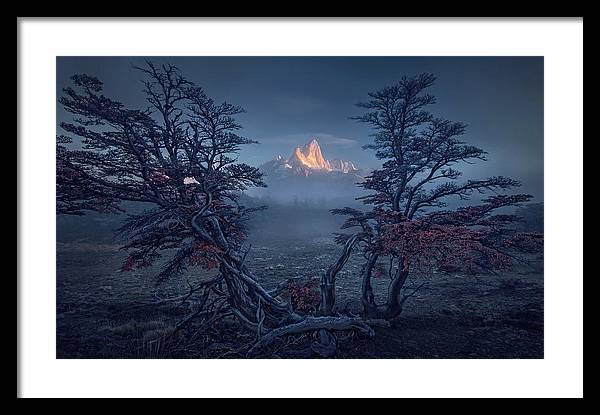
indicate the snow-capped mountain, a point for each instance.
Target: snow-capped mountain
{"x":307,"y":175}
{"x":307,"y":160}
{"x":343,"y":166}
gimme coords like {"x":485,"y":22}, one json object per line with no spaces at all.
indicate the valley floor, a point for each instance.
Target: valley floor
{"x":103,"y":313}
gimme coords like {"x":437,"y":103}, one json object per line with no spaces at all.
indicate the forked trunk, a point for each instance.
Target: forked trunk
{"x":271,"y":318}
{"x":393,"y":307}
{"x":328,"y":279}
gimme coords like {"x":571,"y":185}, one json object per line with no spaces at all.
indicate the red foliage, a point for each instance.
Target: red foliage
{"x":158,"y":178}
{"x":305,"y":296}
{"x":204,"y":255}
{"x":459,"y":240}
{"x":132,"y":262}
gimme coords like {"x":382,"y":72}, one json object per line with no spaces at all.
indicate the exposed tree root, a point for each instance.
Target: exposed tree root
{"x":310,"y":324}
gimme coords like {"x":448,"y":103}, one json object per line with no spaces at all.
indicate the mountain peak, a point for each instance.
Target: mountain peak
{"x":306,"y":160}
{"x":309,"y":156}
{"x":308,"y":175}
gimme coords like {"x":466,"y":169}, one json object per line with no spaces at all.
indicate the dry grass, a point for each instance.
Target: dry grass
{"x":134,"y":328}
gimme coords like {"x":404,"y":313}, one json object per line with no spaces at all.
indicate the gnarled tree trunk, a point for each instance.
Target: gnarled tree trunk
{"x":394,"y":303}
{"x":393,"y":307}
{"x":368,"y":298}
{"x":328,"y":279}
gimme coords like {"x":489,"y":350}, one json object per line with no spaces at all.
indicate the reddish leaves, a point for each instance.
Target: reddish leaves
{"x":133,"y":262}
{"x":467,"y":239}
{"x":204,"y":255}
{"x":305,"y":296}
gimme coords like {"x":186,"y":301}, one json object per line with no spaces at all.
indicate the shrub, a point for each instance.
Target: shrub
{"x":305,"y":296}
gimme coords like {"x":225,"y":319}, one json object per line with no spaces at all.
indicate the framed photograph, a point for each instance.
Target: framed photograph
{"x":298,"y":206}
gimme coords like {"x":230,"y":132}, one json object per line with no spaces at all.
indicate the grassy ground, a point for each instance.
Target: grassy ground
{"x":103,"y":313}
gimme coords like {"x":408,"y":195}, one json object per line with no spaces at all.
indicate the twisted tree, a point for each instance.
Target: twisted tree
{"x":179,"y":155}
{"x":407,"y":222}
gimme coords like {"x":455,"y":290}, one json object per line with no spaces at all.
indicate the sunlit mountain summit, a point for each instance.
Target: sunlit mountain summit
{"x":308,"y":175}
{"x":307,"y":160}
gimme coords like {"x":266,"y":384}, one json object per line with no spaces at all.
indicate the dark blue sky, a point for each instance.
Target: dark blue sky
{"x":292,"y":99}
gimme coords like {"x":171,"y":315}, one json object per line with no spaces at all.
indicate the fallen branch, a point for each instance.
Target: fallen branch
{"x":312,"y":324}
